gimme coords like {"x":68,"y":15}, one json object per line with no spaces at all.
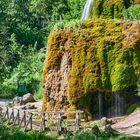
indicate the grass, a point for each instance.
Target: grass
{"x":9,"y":132}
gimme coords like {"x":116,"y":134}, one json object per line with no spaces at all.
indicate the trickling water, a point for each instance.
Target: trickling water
{"x":119,"y":105}
{"x":87,"y":9}
{"x":100,"y":104}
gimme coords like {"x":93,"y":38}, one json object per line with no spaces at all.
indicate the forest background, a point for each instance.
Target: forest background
{"x":24,"y":28}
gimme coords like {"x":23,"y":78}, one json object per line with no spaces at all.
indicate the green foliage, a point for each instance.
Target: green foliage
{"x":73,"y":24}
{"x":13,"y":133}
{"x":82,"y":136}
{"x":133,"y":12}
{"x":109,"y":9}
{"x":24,"y":23}
{"x":9,"y":132}
{"x":28,"y":70}
{"x":88,"y":135}
{"x":132,"y":108}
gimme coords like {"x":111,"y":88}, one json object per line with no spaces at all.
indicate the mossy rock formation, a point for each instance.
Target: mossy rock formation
{"x":109,"y":9}
{"x":103,"y":56}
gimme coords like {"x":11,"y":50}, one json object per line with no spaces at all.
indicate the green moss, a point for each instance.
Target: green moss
{"x":132,"y":107}
{"x":109,"y":9}
{"x":105,"y":57}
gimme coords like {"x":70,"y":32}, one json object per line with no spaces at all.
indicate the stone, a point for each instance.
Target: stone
{"x":29,"y":107}
{"x":104,"y":120}
{"x":17,"y":101}
{"x":28,"y":98}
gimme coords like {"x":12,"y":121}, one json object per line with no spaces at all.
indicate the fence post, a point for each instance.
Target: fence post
{"x":31,"y":121}
{"x":18,"y":117}
{"x":59,"y":126}
{"x":13,"y":115}
{"x":77,"y":121}
{"x":6,"y":113}
{"x":24,"y":118}
{"x":42,"y":128}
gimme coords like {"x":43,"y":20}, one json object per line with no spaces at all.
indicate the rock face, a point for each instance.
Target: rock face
{"x":103,"y":56}
{"x":57,"y":82}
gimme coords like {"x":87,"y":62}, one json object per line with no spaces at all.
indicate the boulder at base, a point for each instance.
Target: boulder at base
{"x":28,"y":98}
{"x":17,"y":101}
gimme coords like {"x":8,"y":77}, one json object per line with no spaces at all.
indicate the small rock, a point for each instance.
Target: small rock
{"x":17,"y":101}
{"x":28,"y":98}
{"x":29,"y":107}
{"x":104,"y":121}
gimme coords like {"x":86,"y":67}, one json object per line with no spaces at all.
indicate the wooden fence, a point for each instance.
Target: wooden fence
{"x":42,"y":121}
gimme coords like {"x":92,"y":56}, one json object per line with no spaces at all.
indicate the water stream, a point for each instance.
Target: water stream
{"x":87,"y":9}
{"x":100,"y":104}
{"x":118,"y":105}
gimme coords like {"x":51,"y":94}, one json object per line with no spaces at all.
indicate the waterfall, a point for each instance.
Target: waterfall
{"x":87,"y":9}
{"x":119,"y":104}
{"x":100,"y":104}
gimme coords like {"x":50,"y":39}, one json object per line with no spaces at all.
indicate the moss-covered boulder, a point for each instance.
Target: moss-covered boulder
{"x":103,"y":56}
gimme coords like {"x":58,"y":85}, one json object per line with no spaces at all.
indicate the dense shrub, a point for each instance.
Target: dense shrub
{"x":13,"y":133}
{"x":133,"y":12}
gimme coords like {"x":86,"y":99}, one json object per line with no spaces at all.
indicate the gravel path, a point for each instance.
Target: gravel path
{"x":4,"y":102}
{"x":130,"y":126}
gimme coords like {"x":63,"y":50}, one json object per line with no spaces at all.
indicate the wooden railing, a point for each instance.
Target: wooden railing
{"x":30,"y":120}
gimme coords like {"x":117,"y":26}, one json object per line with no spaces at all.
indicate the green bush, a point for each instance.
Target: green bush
{"x":28,"y":70}
{"x":88,"y":135}
{"x":133,"y":12}
{"x":13,"y":133}
{"x":132,"y":107}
